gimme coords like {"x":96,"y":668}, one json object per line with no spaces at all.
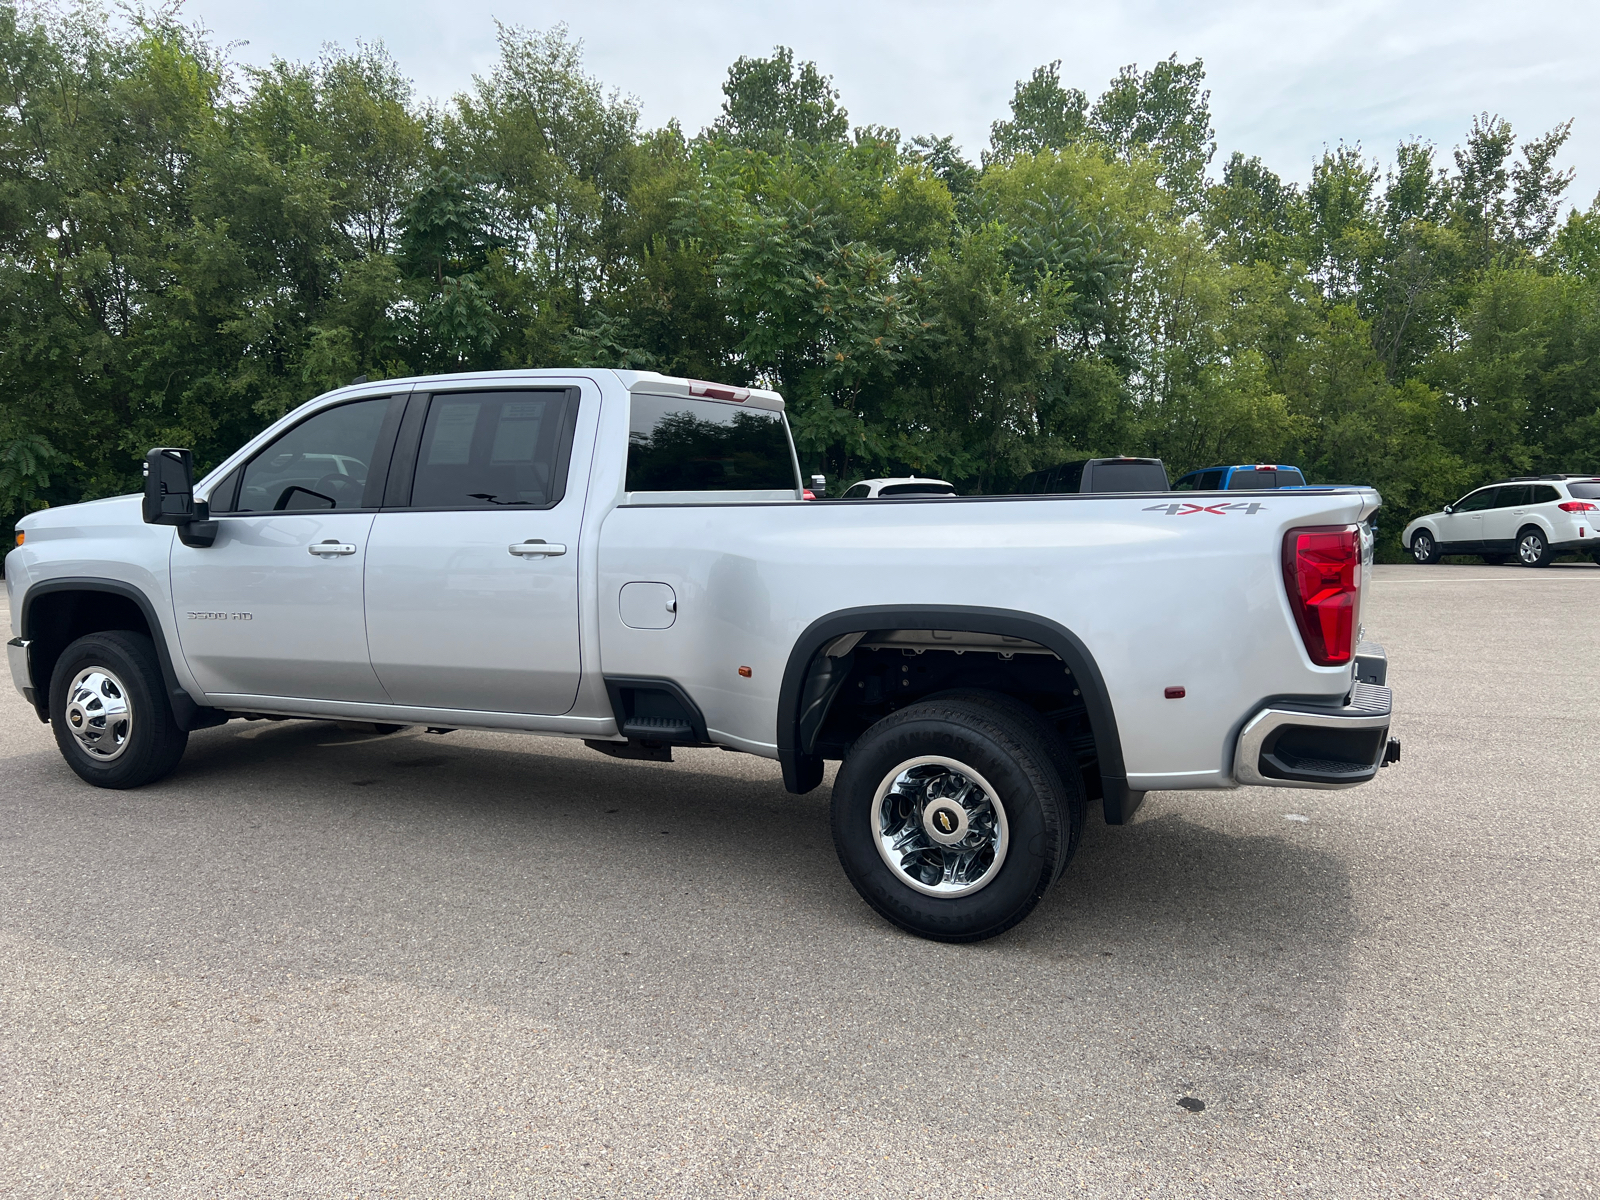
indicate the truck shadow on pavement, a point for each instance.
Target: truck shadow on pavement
{"x":1202,"y":960}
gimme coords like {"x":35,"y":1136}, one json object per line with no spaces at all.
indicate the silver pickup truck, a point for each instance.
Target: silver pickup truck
{"x":631,"y":559}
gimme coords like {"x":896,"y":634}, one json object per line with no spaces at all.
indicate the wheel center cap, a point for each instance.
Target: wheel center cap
{"x":945,"y":822}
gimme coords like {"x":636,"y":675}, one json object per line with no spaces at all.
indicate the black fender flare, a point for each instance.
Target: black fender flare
{"x":802,"y":770}
{"x":188,"y":714}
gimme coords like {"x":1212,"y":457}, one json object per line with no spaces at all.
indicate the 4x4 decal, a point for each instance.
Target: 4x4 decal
{"x":1185,"y":508}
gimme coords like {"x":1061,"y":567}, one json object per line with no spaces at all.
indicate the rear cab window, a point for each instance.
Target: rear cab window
{"x":1128,"y":477}
{"x":687,"y":450}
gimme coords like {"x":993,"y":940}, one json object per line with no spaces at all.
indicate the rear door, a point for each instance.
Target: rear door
{"x":472,"y":567}
{"x":1505,"y":516}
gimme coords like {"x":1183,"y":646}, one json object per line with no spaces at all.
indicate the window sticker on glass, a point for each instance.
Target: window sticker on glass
{"x":451,"y":445}
{"x":517,"y":435}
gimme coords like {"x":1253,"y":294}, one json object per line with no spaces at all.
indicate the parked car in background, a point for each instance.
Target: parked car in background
{"x":1534,"y":517}
{"x":1249,"y":477}
{"x":909,"y":485}
{"x":1119,"y":474}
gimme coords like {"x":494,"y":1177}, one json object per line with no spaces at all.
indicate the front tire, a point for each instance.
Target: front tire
{"x":110,"y":712}
{"x":1423,"y":548}
{"x":1533,"y":550}
{"x":949,"y":819}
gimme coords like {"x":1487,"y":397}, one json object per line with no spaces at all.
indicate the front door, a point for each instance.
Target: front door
{"x":1461,"y":530}
{"x":274,"y":607}
{"x":472,"y":583}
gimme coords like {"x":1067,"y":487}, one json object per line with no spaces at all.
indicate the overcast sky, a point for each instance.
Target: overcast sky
{"x":1287,"y":77}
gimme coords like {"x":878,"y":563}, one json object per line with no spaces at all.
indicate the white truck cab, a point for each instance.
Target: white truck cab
{"x":629,"y":559}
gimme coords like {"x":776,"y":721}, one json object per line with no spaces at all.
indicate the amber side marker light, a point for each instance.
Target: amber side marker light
{"x":745,"y":671}
{"x":21,"y":537}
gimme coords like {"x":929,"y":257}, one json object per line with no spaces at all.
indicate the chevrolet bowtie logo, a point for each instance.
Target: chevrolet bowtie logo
{"x":945,"y":822}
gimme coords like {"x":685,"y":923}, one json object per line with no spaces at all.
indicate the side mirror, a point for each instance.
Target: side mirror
{"x":819,"y":485}
{"x":169,"y":496}
{"x":1449,"y":508}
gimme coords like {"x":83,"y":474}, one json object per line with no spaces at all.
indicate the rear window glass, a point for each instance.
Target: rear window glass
{"x":1128,"y":477}
{"x":1252,"y":480}
{"x":1584,"y":491}
{"x":1543,"y":493}
{"x":918,"y":489}
{"x":680,"y":445}
{"x":1291,"y":478}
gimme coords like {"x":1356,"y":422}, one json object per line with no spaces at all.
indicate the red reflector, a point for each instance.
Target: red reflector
{"x":1322,"y":571}
{"x":718,"y":391}
{"x":1576,"y":506}
{"x":1175,"y":693}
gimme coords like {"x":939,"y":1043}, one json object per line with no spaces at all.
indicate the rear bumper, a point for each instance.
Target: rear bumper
{"x":1308,"y":746}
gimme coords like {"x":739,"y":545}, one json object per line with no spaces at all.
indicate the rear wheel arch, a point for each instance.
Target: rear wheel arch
{"x":800,"y":692}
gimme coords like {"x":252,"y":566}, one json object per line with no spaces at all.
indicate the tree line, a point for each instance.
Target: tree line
{"x":191,"y":247}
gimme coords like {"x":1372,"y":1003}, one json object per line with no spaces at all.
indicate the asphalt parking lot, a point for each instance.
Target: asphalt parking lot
{"x":314,"y":963}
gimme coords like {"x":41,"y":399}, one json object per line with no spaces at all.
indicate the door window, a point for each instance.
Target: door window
{"x":494,"y":450}
{"x":1477,"y":501}
{"x":1514,"y":496}
{"x":325,"y":462}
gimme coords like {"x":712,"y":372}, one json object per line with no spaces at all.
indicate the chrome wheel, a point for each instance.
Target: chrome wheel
{"x":1531,"y":549}
{"x":939,"y":827}
{"x":98,"y":713}
{"x":1422,"y":547}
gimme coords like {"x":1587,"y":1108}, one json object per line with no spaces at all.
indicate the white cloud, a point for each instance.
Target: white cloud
{"x":1287,"y":78}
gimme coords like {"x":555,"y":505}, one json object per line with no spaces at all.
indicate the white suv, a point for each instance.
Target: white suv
{"x":1534,"y":518}
{"x":911,"y":485}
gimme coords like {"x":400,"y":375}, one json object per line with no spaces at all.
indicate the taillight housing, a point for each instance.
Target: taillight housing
{"x":1322,"y":571}
{"x":1576,"y":506}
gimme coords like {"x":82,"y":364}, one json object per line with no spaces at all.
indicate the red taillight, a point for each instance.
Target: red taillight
{"x":1322,"y":570}
{"x":1576,"y":506}
{"x":808,"y":494}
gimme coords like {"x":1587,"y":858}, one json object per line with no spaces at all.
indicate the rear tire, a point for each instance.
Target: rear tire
{"x":110,"y":712}
{"x":1073,"y":798}
{"x":949,"y":818}
{"x":1423,"y":548}
{"x":1533,"y":550}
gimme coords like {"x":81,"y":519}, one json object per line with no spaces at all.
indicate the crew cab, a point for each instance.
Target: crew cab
{"x":628,"y":559}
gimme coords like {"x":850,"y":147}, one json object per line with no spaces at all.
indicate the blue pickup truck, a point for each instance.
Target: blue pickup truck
{"x":1251,"y":477}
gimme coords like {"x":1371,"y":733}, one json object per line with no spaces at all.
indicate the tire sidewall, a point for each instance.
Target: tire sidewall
{"x":1544,"y":547}
{"x":1021,"y":786}
{"x":155,"y":744}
